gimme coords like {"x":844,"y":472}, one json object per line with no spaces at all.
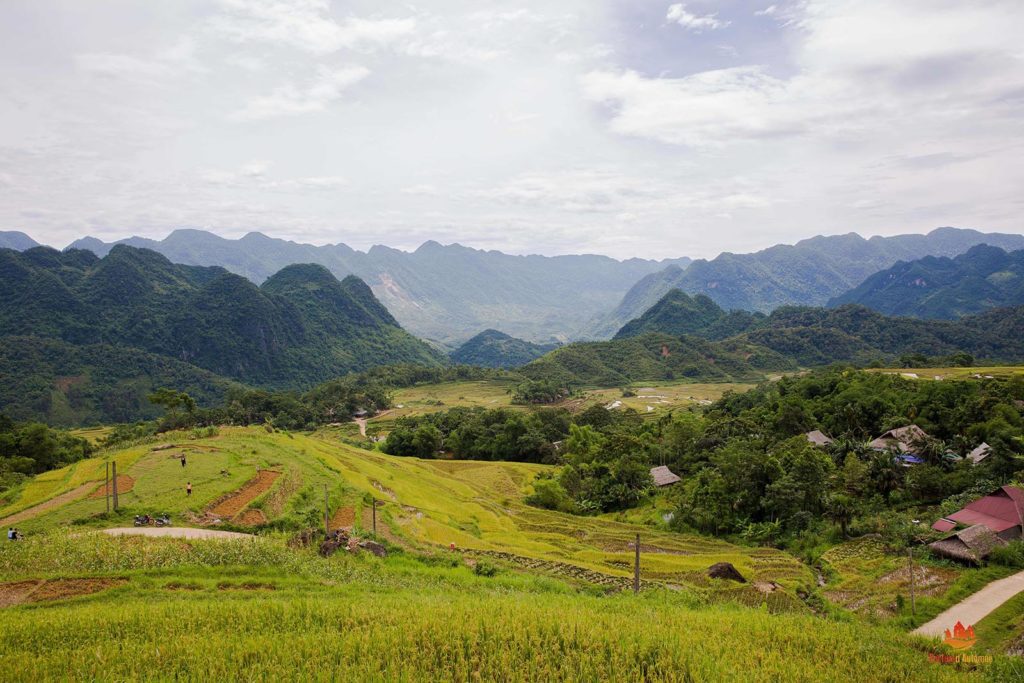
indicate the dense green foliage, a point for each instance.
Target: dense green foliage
{"x":935,"y":287}
{"x":480,"y":434}
{"x":677,"y":313}
{"x":300,"y":327}
{"x":32,"y":448}
{"x":537,"y":392}
{"x":494,"y":349}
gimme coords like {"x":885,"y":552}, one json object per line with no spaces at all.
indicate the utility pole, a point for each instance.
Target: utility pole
{"x":910,"y":560}
{"x":636,"y":567}
{"x":374,"y":516}
{"x":106,"y":486}
{"x":113,"y":478}
{"x":327,"y":513}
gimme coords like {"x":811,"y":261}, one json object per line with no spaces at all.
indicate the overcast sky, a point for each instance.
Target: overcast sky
{"x":625,"y":127}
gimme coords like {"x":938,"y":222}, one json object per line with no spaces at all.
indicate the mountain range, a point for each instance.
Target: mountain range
{"x":302,"y":326}
{"x":445,"y":293}
{"x":809,"y":273}
{"x":939,"y":287}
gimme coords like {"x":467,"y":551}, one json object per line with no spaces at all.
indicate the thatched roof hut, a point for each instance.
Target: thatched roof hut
{"x":818,"y":438}
{"x":663,"y":476}
{"x":902,"y":438}
{"x":972,"y":544}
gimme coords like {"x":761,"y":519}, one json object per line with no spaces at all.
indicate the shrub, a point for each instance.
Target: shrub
{"x":484,"y":568}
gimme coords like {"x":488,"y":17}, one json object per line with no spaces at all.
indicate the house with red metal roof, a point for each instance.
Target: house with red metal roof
{"x":998,"y":517}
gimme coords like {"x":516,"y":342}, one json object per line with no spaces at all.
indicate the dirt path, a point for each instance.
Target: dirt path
{"x":361,"y":421}
{"x":976,"y":607}
{"x":175,"y":532}
{"x":236,"y":502}
{"x":124,"y":485}
{"x":68,"y":497}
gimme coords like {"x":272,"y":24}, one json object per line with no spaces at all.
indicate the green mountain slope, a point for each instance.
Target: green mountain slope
{"x":655,"y":356}
{"x":301,"y":327}
{"x":494,"y":349}
{"x":67,"y":385}
{"x":808,"y":273}
{"x":937,"y":287}
{"x":850,"y":333}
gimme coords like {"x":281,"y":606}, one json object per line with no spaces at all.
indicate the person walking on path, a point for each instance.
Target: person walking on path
{"x":188,"y":489}
{"x":182,"y":459}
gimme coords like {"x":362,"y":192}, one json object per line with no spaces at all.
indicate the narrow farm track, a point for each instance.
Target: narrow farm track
{"x":976,"y":607}
{"x":236,"y":502}
{"x":124,"y":485}
{"x":64,"y":498}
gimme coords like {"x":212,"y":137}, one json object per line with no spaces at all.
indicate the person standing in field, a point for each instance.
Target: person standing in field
{"x":182,"y":459}
{"x":188,"y":489}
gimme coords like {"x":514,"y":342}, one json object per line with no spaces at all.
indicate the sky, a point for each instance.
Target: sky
{"x":620,"y":127}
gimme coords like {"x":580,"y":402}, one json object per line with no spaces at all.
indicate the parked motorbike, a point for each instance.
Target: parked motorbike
{"x":163,"y":520}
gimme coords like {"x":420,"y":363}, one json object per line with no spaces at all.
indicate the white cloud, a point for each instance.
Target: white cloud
{"x":694,"y":22}
{"x":767,"y":11}
{"x":178,"y":60}
{"x":306,"y":25}
{"x":290,"y":99}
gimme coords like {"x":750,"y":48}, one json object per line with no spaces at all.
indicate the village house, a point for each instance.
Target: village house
{"x":903,"y":440}
{"x":990,"y":521}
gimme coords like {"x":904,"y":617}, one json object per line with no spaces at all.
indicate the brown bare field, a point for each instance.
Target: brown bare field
{"x":236,"y":502}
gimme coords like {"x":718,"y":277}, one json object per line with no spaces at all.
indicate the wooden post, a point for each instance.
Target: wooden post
{"x":636,"y":567}
{"x":327,"y":513}
{"x":374,"y":516}
{"x":106,"y":486}
{"x":910,"y":560}
{"x":113,"y":478}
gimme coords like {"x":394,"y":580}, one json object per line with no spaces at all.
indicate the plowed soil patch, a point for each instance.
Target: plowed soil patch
{"x":29,"y":513}
{"x":124,"y":485}
{"x":344,"y":518}
{"x":236,"y":502}
{"x":57,"y":589}
{"x":252,"y":518}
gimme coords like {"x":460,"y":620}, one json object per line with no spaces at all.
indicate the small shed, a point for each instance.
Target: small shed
{"x":663,"y":476}
{"x":819,"y":438}
{"x":979,"y":453}
{"x":971,"y":545}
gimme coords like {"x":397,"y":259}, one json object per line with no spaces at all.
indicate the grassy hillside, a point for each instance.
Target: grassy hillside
{"x":144,"y":608}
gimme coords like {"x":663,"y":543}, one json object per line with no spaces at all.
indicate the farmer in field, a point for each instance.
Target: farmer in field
{"x":11,"y":534}
{"x":188,"y":489}
{"x":182,"y":459}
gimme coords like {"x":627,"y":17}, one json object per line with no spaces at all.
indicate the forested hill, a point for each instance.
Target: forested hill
{"x":938,"y":287}
{"x":494,"y":349}
{"x":655,"y":356}
{"x":850,"y":333}
{"x":808,"y":273}
{"x":442,"y":292}
{"x":301,"y":327}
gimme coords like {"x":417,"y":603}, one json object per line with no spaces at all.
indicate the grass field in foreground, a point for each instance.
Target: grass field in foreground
{"x":255,"y":610}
